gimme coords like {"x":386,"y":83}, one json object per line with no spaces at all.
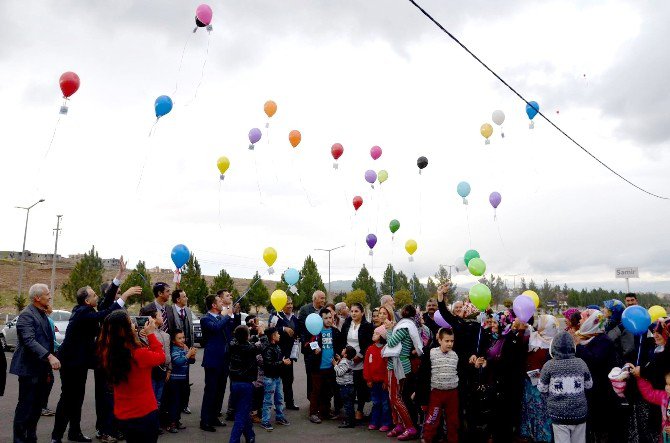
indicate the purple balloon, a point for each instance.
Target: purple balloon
{"x":495,"y":199}
{"x":371,"y":240}
{"x":441,"y":322}
{"x":254,"y":135}
{"x":370,"y":176}
{"x":524,"y":307}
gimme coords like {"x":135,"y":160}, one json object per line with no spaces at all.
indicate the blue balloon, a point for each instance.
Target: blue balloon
{"x":291,"y":276}
{"x":180,"y":255}
{"x":463,"y":189}
{"x":314,"y":323}
{"x":163,"y":105}
{"x":636,"y":319}
{"x":532,"y":108}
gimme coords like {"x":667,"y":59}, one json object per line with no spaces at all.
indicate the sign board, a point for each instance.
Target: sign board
{"x":627,"y":273}
{"x":552,"y":303}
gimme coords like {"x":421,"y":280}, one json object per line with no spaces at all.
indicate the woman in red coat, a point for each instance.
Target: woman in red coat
{"x":128,"y":365}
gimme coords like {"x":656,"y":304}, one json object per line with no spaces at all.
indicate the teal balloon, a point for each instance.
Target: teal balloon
{"x":469,"y":255}
{"x":291,"y":276}
{"x":314,"y":323}
{"x":463,"y":189}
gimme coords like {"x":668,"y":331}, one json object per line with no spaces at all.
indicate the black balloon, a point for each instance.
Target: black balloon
{"x":422,"y":162}
{"x":199,"y":24}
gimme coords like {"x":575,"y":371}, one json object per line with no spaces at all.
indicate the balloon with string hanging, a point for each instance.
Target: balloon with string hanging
{"x":410,"y":247}
{"x":486,"y":130}
{"x":269,"y":257}
{"x":532,"y":108}
{"x":422,"y":162}
{"x":498,"y":118}
{"x":180,"y":256}
{"x":291,"y":277}
{"x":69,"y":84}
{"x":270,"y":108}
{"x":294,"y":138}
{"x":495,"y":198}
{"x":203,"y":17}
{"x":358,"y":201}
{"x":394,"y":225}
{"x":382,"y":176}
{"x":371,"y":241}
{"x":223,"y":164}
{"x":463,"y":190}
{"x":336,"y":151}
{"x":254,"y":137}
{"x":370,"y":177}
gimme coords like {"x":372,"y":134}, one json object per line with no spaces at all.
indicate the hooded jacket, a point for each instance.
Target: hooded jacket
{"x":564,"y":381}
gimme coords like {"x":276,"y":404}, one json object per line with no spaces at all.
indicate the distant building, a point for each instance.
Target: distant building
{"x":33,"y":257}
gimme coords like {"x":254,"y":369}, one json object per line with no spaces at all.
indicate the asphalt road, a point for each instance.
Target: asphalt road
{"x":301,"y":429}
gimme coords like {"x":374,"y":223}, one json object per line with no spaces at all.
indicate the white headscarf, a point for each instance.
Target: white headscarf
{"x":544,"y":332}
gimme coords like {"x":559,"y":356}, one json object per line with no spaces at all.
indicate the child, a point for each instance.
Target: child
{"x":657,"y":397}
{"x":177,"y":385}
{"x":272,"y":362}
{"x":344,"y":376}
{"x":564,"y":380}
{"x":259,"y":391}
{"x":441,"y":364}
{"x":376,"y":375}
{"x":160,"y":374}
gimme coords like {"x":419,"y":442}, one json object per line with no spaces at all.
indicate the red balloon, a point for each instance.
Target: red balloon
{"x":337,"y":150}
{"x":358,"y":201}
{"x":69,"y":83}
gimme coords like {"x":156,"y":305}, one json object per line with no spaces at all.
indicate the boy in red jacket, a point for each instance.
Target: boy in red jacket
{"x":375,"y":373}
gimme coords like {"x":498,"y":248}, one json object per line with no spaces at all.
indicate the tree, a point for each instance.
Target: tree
{"x":402,"y":282}
{"x":139,"y":277}
{"x":87,"y":272}
{"x":388,"y":284}
{"x":431,"y":287}
{"x":523,"y":286}
{"x":367,"y":284}
{"x":419,"y":291}
{"x":258,"y":294}
{"x":443,"y":277}
{"x":402,"y":297}
{"x":224,"y":281}
{"x":310,"y":281}
{"x":19,"y":302}
{"x":356,"y":296}
{"x":194,"y":284}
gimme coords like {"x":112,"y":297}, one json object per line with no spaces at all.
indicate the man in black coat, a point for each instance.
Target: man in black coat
{"x":32,"y":361}
{"x":287,"y":325}
{"x":77,"y":355}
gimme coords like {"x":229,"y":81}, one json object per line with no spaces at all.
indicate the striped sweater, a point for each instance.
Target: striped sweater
{"x":400,"y":336}
{"x":443,"y":375}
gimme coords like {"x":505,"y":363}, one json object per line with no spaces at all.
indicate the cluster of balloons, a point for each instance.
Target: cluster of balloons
{"x":270,"y":257}
{"x":486,"y":129}
{"x":474,"y":263}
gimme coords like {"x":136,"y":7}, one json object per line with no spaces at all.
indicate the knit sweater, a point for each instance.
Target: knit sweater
{"x":180,"y":363}
{"x":564,"y":380}
{"x":443,"y":373}
{"x":344,"y":372}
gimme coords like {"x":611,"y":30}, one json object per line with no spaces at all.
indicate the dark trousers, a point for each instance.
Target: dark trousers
{"x":323,"y":381}
{"x":104,"y":403}
{"x":347,"y":395}
{"x":73,"y":389}
{"x":173,"y":398}
{"x":141,"y":429}
{"x":257,"y":404}
{"x":186,"y":394}
{"x":309,"y":381}
{"x":286,"y":374}
{"x":361,"y":390}
{"x":47,"y":392}
{"x":29,"y":407}
{"x":241,"y":394}
{"x":212,"y":397}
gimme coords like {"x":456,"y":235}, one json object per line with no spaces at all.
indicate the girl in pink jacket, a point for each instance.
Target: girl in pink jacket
{"x":658,"y":397}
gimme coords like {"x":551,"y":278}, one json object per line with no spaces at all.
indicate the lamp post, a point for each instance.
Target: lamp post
{"x":53,"y":263}
{"x":329,"y":251}
{"x":23,"y":250}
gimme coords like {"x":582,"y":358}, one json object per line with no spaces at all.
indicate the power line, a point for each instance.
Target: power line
{"x":430,"y":17}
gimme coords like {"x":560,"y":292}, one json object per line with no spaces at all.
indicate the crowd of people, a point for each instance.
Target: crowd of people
{"x":486,"y":377}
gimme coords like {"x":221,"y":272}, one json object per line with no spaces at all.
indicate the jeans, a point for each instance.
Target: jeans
{"x":29,"y":407}
{"x":158,"y":386}
{"x":141,"y":429}
{"x":381,"y":409}
{"x":104,"y":403}
{"x":73,"y":390}
{"x":273,"y":391}
{"x":347,"y":395}
{"x":241,"y":394}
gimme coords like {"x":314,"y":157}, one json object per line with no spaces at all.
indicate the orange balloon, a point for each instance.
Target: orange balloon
{"x":270,"y":108}
{"x":294,"y":137}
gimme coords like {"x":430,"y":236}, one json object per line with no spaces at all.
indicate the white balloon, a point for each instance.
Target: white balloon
{"x":498,"y":117}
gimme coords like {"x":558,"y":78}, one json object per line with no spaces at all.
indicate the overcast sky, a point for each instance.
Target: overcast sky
{"x":361,"y":74}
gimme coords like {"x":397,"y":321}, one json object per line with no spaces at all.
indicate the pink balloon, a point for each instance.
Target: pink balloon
{"x":204,"y":14}
{"x":375,"y":152}
{"x":441,"y":322}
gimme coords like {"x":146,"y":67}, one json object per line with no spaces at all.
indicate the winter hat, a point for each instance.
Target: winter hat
{"x":562,"y":346}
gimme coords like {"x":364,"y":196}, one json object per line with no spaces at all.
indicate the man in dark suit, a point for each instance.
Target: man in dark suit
{"x":180,"y":317}
{"x":32,"y":361}
{"x":162,"y":294}
{"x":287,"y":325}
{"x":318,"y":302}
{"x":77,"y":356}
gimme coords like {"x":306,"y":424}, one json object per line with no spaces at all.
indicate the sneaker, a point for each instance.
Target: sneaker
{"x":282,"y":421}
{"x":314,"y":419}
{"x":46,"y":412}
{"x":172,"y":429}
{"x":180,"y":425}
{"x":409,"y":434}
{"x":186,"y":410}
{"x":396,"y":431}
{"x":104,"y":438}
{"x":292,"y":408}
{"x":372,"y":428}
{"x":267,"y":426}
{"x":384,"y":428}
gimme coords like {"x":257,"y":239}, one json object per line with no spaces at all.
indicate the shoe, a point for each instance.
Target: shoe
{"x":396,"y":431}
{"x":255,"y":419}
{"x":172,"y":429}
{"x":79,"y":438}
{"x":314,"y":419}
{"x":186,"y":410}
{"x":409,"y":434}
{"x":333,"y":416}
{"x":219,"y":423}
{"x":267,"y":426}
{"x":292,"y":408}
{"x":372,"y":428}
{"x":207,"y":428}
{"x":104,"y":438}
{"x":119,"y":436}
{"x":346,"y":424}
{"x":46,"y":412}
{"x":180,"y":425}
{"x":384,"y":428}
{"x":98,"y":434}
{"x":282,"y":421}
{"x":359,"y":416}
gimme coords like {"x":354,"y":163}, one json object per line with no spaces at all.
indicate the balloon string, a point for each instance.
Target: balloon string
{"x":181,"y":62}
{"x":202,"y":72}
{"x":53,"y":136}
{"x":479,"y":337}
{"x":639,"y":350}
{"x":499,"y":236}
{"x":258,"y":184}
{"x":467,"y":217}
{"x":219,"y":204}
{"x":146,"y":156}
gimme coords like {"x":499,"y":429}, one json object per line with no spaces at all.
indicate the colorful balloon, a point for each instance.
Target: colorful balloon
{"x":254,"y":137}
{"x":524,"y":308}
{"x":358,"y":201}
{"x":371,"y":240}
{"x":486,"y":130}
{"x":636,"y":319}
{"x":463,"y":190}
{"x":294,"y":138}
{"x":421,"y":162}
{"x":532,"y":108}
{"x":269,"y":256}
{"x":270,"y":108}
{"x":495,"y":198}
{"x":480,"y":296}
{"x":656,"y":312}
{"x":469,"y":255}
{"x":394,"y":226}
{"x":370,"y":176}
{"x":223,"y":164}
{"x":336,"y":150}
{"x":441,"y":322}
{"x":314,"y":323}
{"x":533,"y":296}
{"x":180,"y":255}
{"x":382,"y":176}
{"x":291,"y":276}
{"x":375,"y":152}
{"x":163,"y":105}
{"x":203,"y":16}
{"x":477,"y":267}
{"x":410,"y":246}
{"x":498,"y":117}
{"x":69,"y":83}
{"x":278,"y":299}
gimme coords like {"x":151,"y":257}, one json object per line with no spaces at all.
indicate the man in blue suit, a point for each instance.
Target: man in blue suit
{"x":33,"y":358}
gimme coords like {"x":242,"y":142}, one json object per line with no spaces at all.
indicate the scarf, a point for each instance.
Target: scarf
{"x":394,"y":352}
{"x":544,"y":332}
{"x":592,"y":326}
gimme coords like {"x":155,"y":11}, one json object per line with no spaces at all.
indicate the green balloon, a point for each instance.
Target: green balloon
{"x":480,"y":296}
{"x":469,"y":255}
{"x":477,"y":266}
{"x":394,"y":226}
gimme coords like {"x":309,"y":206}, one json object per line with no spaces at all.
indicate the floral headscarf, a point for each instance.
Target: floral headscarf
{"x":616,"y":307}
{"x":546,"y":328}
{"x":424,"y":332}
{"x":592,"y":326}
{"x":504,"y":320}
{"x":568,"y":313}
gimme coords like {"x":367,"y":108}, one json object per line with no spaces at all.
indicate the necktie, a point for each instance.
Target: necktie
{"x":164,"y":327}
{"x":181,"y":316}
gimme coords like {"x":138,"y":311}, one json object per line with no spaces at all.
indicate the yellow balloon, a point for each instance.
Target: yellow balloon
{"x":278,"y":299}
{"x":656,"y":312}
{"x":382,"y":176}
{"x":486,"y":130}
{"x":270,"y":256}
{"x":533,"y":296}
{"x":410,"y":246}
{"x":223,"y":163}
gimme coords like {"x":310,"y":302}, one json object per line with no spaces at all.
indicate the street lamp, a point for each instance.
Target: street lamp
{"x":23,"y":250}
{"x":329,"y":251}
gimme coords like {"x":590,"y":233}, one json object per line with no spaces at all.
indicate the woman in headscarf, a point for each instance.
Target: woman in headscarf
{"x":623,"y":340}
{"x":535,"y":423}
{"x":599,"y":353}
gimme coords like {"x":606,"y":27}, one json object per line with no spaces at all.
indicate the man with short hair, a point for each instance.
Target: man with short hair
{"x":318,"y":302}
{"x":226,"y":297}
{"x":429,"y":316}
{"x":287,"y":324}
{"x":631,"y":299}
{"x":32,"y":361}
{"x":342,"y":311}
{"x":387,"y":301}
{"x":162,"y":294}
